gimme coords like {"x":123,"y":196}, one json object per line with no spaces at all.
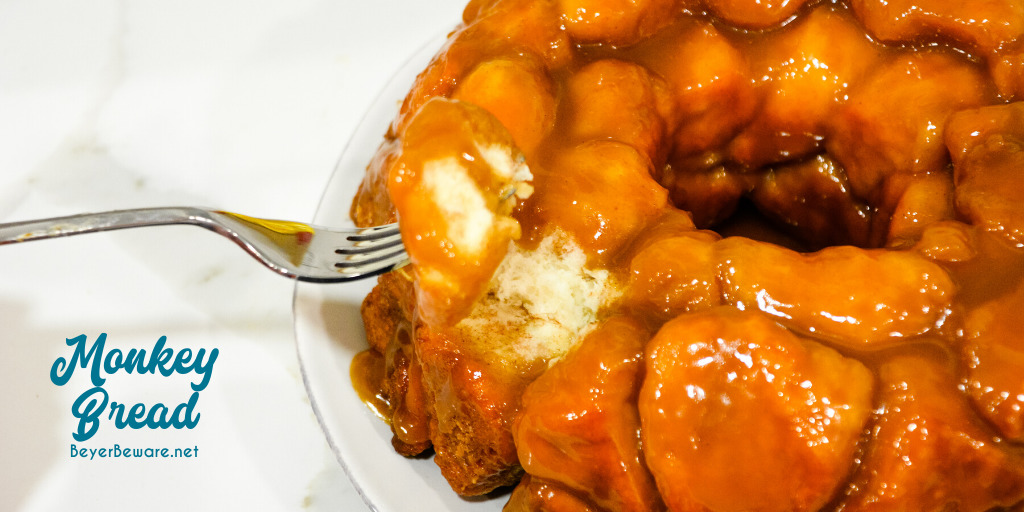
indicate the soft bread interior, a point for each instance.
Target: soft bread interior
{"x":539,"y":301}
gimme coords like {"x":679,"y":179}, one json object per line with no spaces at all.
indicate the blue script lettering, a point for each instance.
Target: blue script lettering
{"x":161,"y":359}
{"x":159,"y":415}
{"x":91,"y":405}
{"x":62,"y":369}
{"x":87,"y":409}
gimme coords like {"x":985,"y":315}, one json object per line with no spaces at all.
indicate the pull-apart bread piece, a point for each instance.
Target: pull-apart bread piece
{"x":454,"y":183}
{"x":483,"y":314}
{"x":710,"y":255}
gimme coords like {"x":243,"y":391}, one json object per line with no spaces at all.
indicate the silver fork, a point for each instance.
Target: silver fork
{"x":293,"y":249}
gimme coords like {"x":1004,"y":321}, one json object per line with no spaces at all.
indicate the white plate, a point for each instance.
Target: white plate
{"x":329,"y":332}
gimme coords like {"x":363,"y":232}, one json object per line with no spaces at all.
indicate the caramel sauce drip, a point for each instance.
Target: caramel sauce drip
{"x":367,"y":375}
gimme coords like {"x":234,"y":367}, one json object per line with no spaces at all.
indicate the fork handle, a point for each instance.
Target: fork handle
{"x":41,"y":229}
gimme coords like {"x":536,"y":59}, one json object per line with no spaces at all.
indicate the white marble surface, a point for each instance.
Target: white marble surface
{"x":111,"y":104}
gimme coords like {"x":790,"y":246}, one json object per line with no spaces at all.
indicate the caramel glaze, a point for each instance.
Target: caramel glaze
{"x":367,"y":374}
{"x":862,"y":352}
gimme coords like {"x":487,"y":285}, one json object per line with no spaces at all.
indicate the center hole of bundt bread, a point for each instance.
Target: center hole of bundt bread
{"x":747,"y":221}
{"x":803,"y":215}
{"x":805,"y":204}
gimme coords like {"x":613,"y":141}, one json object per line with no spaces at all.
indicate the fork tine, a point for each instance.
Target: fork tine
{"x":374,"y":250}
{"x":364,"y":245}
{"x":371,"y":257}
{"x":373,"y":266}
{"x":374,"y":233}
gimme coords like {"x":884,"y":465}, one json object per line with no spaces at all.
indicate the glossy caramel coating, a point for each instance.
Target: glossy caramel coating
{"x":620,"y":101}
{"x":518,"y":92}
{"x":675,"y":275}
{"x":710,"y":79}
{"x":920,"y":89}
{"x":754,"y":14}
{"x":494,"y":29}
{"x":584,"y":434}
{"x":812,"y":199}
{"x":994,"y":356}
{"x":454,"y":184}
{"x":928,"y":450}
{"x":857,"y":297}
{"x":991,"y":349}
{"x":740,"y":414}
{"x":617,"y":22}
{"x":926,"y":200}
{"x":804,"y":72}
{"x":988,"y":147}
{"x":538,"y":495}
{"x":983,"y":26}
{"x":473,"y":400}
{"x":710,"y":194}
{"x":948,"y":242}
{"x":614,"y":196}
{"x":1007,"y":69}
{"x":783,"y":193}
